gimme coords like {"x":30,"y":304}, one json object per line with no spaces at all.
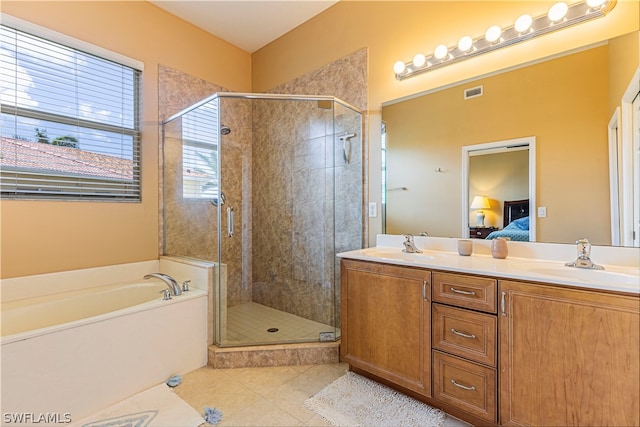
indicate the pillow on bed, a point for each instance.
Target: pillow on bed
{"x":519,"y":224}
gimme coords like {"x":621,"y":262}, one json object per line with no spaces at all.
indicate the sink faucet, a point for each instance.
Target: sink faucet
{"x":584,"y":256}
{"x":409,"y":246}
{"x":168,"y":280}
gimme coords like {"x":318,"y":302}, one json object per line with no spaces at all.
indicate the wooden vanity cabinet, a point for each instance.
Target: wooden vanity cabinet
{"x":386,"y":322}
{"x":462,"y":290}
{"x":568,"y":356}
{"x":464,"y":335}
{"x":495,"y":351}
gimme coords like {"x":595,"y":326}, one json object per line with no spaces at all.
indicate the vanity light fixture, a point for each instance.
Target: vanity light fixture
{"x":560,"y":16}
{"x":558,"y":11}
{"x":493,"y":34}
{"x":523,"y":24}
{"x":465,"y":44}
{"x":441,"y":52}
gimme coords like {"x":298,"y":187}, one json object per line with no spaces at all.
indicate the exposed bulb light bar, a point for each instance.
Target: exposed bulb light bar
{"x":525,"y":27}
{"x":558,"y":11}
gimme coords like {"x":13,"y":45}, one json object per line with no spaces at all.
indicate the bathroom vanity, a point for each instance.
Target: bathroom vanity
{"x":480,"y":339}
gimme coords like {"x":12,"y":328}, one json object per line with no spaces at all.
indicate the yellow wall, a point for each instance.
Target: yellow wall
{"x":622,"y":64}
{"x":42,"y":236}
{"x":397,"y":30}
{"x":39,"y":237}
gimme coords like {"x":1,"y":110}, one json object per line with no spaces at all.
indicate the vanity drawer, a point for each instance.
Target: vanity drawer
{"x":465,"y":333}
{"x":465,"y":385}
{"x":477,"y":293}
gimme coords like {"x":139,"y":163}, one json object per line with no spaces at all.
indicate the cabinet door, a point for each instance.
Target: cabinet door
{"x":568,"y":357}
{"x":386,"y":324}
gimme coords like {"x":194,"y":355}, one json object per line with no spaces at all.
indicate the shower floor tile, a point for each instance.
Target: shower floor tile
{"x":249,"y":323}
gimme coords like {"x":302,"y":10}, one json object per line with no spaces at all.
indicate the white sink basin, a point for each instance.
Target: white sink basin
{"x":392,"y":253}
{"x":583,"y":274}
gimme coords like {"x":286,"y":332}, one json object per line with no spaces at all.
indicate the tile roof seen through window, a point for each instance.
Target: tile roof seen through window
{"x":15,"y":153}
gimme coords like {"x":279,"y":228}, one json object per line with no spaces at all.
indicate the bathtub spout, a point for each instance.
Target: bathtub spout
{"x":168,"y":280}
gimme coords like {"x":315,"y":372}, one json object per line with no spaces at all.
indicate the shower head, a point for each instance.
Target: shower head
{"x":225,"y":130}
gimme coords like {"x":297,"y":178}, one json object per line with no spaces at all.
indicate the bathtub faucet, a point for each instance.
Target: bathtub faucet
{"x":168,"y":280}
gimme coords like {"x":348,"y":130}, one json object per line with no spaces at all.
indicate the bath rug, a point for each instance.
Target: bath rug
{"x":157,"y":407}
{"x":353,"y":400}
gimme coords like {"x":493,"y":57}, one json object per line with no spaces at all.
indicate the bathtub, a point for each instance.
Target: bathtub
{"x":69,"y":354}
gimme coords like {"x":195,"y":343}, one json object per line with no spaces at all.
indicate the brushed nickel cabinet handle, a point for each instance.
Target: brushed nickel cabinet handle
{"x":424,"y":290}
{"x":462,"y":386}
{"x":462,"y":334}
{"x":458,"y":291}
{"x":503,"y":304}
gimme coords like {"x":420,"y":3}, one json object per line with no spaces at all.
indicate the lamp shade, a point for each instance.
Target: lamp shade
{"x":480,"y":202}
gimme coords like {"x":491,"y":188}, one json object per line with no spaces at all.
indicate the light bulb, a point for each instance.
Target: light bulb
{"x":465,"y":44}
{"x":493,"y":34}
{"x":558,"y":11}
{"x":419,"y":60}
{"x":399,"y":67}
{"x":441,"y":51}
{"x":594,"y":4}
{"x":523,"y":23}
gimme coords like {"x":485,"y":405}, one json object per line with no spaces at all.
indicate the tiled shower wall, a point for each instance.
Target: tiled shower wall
{"x":189,"y":227}
{"x":317,"y":195}
{"x":299,"y":202}
{"x":266,"y":174}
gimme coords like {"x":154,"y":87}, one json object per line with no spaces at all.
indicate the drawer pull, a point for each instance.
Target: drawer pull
{"x":462,"y":334}
{"x":462,"y":386}
{"x":458,"y":291}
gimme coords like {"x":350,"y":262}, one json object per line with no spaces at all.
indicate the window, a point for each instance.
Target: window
{"x":69,"y":123}
{"x":200,"y":152}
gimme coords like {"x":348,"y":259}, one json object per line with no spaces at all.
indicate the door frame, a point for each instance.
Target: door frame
{"x":494,"y":147}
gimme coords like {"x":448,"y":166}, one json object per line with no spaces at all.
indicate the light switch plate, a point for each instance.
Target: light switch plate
{"x":542,"y":212}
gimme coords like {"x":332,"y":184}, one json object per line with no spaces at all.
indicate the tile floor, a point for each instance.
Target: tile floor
{"x":263,"y":396}
{"x":249,"y":322}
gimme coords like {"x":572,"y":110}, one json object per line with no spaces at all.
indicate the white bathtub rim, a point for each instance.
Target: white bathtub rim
{"x":150,"y":305}
{"x":37,"y":285}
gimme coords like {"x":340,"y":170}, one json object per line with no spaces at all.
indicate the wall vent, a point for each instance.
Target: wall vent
{"x":473,"y":92}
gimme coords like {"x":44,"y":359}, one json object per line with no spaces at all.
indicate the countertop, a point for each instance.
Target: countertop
{"x":614,"y":278}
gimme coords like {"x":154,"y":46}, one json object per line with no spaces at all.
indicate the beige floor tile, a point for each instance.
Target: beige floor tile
{"x":291,"y":400}
{"x":272,"y":396}
{"x":227,"y":395}
{"x":201,"y":379}
{"x":318,"y":377}
{"x":261,"y":413}
{"x":317,"y":421}
{"x":263,"y":381}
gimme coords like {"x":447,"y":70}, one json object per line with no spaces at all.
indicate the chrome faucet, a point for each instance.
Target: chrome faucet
{"x":584,"y":256}
{"x":168,"y":280}
{"x":409,"y":246}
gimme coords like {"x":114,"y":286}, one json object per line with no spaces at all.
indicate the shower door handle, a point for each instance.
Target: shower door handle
{"x":230,"y":221}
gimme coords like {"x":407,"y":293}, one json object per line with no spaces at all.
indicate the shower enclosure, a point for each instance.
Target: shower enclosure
{"x":269,"y":187}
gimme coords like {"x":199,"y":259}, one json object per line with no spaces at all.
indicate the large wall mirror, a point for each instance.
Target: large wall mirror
{"x":565,"y":103}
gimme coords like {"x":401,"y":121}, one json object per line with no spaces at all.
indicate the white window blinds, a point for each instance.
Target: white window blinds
{"x":69,"y":126}
{"x":200,"y":152}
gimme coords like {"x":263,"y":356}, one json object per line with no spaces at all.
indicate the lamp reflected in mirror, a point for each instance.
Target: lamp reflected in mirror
{"x":480,"y":203}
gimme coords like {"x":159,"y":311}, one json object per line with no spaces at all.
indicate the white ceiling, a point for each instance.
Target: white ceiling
{"x":248,"y":24}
